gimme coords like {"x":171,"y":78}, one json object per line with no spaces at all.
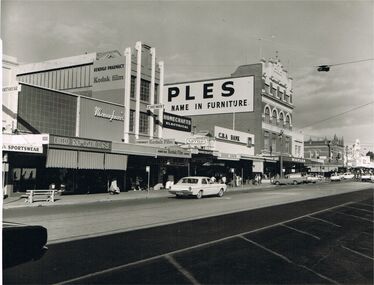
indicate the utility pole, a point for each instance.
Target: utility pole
{"x":281,"y":152}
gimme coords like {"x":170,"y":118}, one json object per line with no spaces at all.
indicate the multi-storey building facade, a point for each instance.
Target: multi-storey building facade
{"x":328,"y":154}
{"x":270,"y":118}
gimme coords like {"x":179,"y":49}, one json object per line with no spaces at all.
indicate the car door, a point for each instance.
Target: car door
{"x":207,"y":187}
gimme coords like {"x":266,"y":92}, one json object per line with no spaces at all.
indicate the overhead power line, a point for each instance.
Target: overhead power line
{"x":349,"y":62}
{"x":337,"y":115}
{"x":326,"y":67}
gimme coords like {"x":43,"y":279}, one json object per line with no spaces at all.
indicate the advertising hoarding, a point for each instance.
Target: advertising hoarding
{"x":100,"y":120}
{"x":81,"y":143}
{"x":108,"y":74}
{"x":216,"y":96}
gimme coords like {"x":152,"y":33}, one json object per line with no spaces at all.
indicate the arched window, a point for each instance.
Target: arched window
{"x":288,"y":121}
{"x":274,"y":117}
{"x":267,"y":114}
{"x":281,"y":118}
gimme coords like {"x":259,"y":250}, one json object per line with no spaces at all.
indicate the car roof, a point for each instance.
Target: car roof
{"x":196,"y":177}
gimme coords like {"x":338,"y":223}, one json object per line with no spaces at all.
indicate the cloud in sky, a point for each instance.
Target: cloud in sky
{"x":209,"y":39}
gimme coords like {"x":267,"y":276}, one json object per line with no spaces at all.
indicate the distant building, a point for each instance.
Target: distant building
{"x":356,"y":158}
{"x":325,"y":154}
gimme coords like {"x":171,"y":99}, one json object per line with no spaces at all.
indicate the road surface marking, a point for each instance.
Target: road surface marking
{"x":356,"y":252}
{"x":354,"y":216}
{"x":267,"y":249}
{"x":182,"y":270}
{"x":289,"y":261}
{"x":327,"y":222}
{"x":359,"y":209}
{"x":364,"y":204}
{"x":300,"y":231}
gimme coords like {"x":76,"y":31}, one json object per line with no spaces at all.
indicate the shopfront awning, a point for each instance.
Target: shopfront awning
{"x":61,"y":158}
{"x":90,"y":160}
{"x":115,"y":161}
{"x":227,"y":156}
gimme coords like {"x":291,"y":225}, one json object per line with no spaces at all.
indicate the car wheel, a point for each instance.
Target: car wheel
{"x":277,"y":183}
{"x":199,"y":194}
{"x":178,"y":196}
{"x":220,"y":193}
{"x":294,"y":182}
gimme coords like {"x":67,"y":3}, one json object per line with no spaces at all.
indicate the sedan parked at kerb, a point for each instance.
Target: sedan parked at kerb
{"x":295,"y":178}
{"x":336,"y":177}
{"x":366,"y":177}
{"x":197,"y":186}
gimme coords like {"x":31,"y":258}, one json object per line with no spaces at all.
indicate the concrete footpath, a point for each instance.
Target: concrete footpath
{"x":16,"y":201}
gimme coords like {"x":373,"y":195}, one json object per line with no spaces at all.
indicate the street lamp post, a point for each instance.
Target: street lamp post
{"x":281,"y":151}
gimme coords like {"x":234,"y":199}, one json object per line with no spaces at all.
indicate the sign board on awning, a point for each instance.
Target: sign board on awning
{"x":23,"y":148}
{"x":157,"y":142}
{"x":197,"y":141}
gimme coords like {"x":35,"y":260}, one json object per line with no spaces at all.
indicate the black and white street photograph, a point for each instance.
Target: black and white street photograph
{"x":187,"y":142}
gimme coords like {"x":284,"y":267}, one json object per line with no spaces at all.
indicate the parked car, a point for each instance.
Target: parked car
{"x":366,"y":177}
{"x":294,"y":179}
{"x":197,"y":186}
{"x":348,"y":175}
{"x":312,"y":179}
{"x":336,"y":177}
{"x":22,"y":243}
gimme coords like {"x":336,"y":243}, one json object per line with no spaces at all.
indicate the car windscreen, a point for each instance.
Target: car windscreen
{"x":189,"y":180}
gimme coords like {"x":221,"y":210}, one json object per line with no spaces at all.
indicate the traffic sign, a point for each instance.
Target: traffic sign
{"x":155,"y":107}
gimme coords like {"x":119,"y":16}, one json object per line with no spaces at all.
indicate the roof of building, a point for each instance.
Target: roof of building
{"x":57,"y":63}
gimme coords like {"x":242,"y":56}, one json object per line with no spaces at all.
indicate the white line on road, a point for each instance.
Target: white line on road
{"x":354,"y":216}
{"x":182,"y":270}
{"x":267,"y":249}
{"x":356,"y":252}
{"x":359,"y":209}
{"x":300,"y":231}
{"x":290,"y":261}
{"x":364,"y":204}
{"x":327,"y":222}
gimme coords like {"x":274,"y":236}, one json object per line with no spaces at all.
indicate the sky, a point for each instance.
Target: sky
{"x":210,"y":39}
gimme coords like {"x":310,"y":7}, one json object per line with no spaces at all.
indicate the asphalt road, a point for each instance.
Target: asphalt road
{"x":317,"y":241}
{"x":69,"y":222}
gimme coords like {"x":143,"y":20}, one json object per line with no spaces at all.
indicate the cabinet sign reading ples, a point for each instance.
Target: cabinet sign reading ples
{"x":234,"y":94}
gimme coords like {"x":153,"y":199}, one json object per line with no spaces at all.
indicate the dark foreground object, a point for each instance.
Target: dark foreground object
{"x":22,"y":243}
{"x":320,"y":241}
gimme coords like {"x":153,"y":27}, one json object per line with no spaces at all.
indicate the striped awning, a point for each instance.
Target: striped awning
{"x":90,"y":160}
{"x":61,"y":158}
{"x":115,"y":161}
